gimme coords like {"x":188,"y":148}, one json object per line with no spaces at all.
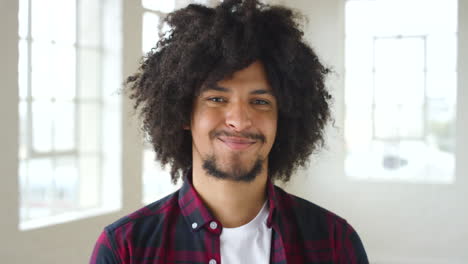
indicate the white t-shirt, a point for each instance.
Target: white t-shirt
{"x":249,"y":243}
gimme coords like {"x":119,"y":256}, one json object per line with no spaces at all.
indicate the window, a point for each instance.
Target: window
{"x":69,"y":72}
{"x":401,"y":90}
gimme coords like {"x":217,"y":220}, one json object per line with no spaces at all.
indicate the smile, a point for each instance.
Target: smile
{"x":237,"y":143}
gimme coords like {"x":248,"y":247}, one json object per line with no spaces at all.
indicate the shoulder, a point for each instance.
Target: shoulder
{"x":304,"y":210}
{"x":317,"y":224}
{"x":310,"y":219}
{"x":136,"y":230}
{"x":151,"y":217}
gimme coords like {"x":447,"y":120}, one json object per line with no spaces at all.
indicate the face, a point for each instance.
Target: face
{"x":234,"y":124}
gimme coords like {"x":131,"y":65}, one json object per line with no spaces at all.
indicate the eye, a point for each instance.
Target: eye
{"x":216,"y":99}
{"x":260,"y":102}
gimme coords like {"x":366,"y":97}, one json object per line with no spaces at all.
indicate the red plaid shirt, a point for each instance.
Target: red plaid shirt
{"x":176,"y":229}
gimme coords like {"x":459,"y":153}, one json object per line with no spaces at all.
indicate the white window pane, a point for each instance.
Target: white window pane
{"x":442,"y":52}
{"x":358,"y":127}
{"x":441,"y":124}
{"x":23,"y":69}
{"x":156,"y":180}
{"x":23,"y":187}
{"x":23,"y":18}
{"x":89,"y":184}
{"x":399,"y":88}
{"x":358,"y":57}
{"x":150,"y":31}
{"x":411,"y":123}
{"x":41,"y":70}
{"x":165,"y":6}
{"x":64,"y":72}
{"x":54,"y":20}
{"x":89,"y":81}
{"x":89,"y":128}
{"x":41,"y":22}
{"x":109,"y":119}
{"x":442,"y":85}
{"x":405,"y":11}
{"x":109,"y":85}
{"x":359,"y":88}
{"x":53,"y":71}
{"x":440,"y":110}
{"x":64,"y":126}
{"x":390,"y":53}
{"x":444,"y":11}
{"x":63,"y":21}
{"x":440,"y":131}
{"x":42,"y":112}
{"x":40,"y":181}
{"x":89,"y":35}
{"x":66,"y":183}
{"x":23,"y":130}
{"x":399,"y":122}
{"x":411,"y":20}
{"x":358,"y":15}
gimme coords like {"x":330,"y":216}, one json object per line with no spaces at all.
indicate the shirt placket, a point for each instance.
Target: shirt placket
{"x":212,"y":231}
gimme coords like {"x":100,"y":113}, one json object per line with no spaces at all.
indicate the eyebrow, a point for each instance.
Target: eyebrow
{"x":224,"y":89}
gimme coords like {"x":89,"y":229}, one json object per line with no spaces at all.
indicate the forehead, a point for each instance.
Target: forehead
{"x":251,"y":78}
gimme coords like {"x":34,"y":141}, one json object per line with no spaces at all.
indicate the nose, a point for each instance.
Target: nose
{"x":238,"y":117}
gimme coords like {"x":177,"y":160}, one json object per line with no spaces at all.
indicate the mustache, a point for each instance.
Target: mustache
{"x":253,"y":136}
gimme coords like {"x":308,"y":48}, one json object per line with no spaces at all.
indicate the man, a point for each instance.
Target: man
{"x":232,"y":99}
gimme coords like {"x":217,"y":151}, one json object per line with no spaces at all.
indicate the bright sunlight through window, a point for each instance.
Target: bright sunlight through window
{"x":400,"y":91}
{"x":69,"y":71}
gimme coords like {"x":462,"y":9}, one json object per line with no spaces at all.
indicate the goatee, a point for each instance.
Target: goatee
{"x":236,"y":174}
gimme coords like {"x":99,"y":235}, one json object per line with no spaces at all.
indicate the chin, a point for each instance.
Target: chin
{"x":235,"y":171}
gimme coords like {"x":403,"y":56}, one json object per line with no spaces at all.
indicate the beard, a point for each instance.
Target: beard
{"x":235,"y":173}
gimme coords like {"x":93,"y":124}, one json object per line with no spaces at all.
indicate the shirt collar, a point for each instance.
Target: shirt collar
{"x":198,"y":215}
{"x":192,"y":206}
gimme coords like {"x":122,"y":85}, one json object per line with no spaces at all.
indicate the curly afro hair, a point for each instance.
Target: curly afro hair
{"x":206,"y":45}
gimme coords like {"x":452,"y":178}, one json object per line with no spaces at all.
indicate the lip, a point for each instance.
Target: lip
{"x":237,"y":143}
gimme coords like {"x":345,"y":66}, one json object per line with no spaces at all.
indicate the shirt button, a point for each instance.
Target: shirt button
{"x":213,"y":261}
{"x":194,"y":225}
{"x":213,"y":225}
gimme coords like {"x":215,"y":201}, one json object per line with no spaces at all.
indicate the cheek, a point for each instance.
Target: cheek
{"x":272,"y":134}
{"x":203,"y":122}
{"x":268,"y":127}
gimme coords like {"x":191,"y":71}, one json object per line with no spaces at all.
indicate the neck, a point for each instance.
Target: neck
{"x":232,"y":203}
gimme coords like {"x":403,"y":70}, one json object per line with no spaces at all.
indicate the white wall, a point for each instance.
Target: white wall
{"x":398,"y":222}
